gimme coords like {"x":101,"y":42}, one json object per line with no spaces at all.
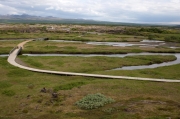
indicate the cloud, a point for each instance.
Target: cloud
{"x":8,"y":10}
{"x":106,"y":10}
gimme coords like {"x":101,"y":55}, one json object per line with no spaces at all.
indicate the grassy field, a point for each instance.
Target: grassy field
{"x":91,"y":64}
{"x":26,"y":95}
{"x":21,"y":97}
{"x":7,"y":46}
{"x":82,"y":48}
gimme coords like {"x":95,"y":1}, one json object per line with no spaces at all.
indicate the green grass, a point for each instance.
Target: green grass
{"x":69,"y":86}
{"x":91,"y":64}
{"x":73,"y":36}
{"x":82,"y":48}
{"x":5,"y":84}
{"x":20,"y":96}
{"x":168,"y":72}
{"x":7,"y":46}
{"x":134,"y":99}
{"x":88,"y":32}
{"x":8,"y":93}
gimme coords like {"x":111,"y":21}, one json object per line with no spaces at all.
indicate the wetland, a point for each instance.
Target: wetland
{"x":90,"y":49}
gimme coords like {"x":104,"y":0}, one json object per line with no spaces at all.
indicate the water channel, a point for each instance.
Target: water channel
{"x":177,"y":61}
{"x":4,"y":55}
{"x":143,"y":43}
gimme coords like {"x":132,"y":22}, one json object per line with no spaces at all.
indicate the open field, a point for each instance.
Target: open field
{"x":21,"y":97}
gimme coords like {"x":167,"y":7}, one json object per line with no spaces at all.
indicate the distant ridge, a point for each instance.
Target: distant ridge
{"x":25,"y":18}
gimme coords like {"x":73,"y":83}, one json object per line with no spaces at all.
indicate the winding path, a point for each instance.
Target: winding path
{"x":13,"y":55}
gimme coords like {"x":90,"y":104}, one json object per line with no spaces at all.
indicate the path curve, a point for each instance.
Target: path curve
{"x":13,"y":55}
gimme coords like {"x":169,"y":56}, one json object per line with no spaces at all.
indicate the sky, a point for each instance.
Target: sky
{"x":134,"y":11}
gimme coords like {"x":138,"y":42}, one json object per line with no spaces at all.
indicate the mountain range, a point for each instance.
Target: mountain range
{"x":25,"y":18}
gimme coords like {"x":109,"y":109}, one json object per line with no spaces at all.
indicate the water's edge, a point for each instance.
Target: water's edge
{"x":177,"y":61}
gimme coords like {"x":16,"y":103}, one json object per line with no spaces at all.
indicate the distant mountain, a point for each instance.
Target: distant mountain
{"x":25,"y":18}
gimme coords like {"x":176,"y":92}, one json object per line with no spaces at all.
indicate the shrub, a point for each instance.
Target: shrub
{"x":93,"y":101}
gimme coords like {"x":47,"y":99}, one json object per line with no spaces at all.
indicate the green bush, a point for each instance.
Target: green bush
{"x":93,"y":101}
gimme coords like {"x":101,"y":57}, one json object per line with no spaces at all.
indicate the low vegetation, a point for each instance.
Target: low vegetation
{"x":91,"y":64}
{"x":93,"y":101}
{"x":166,"y":72}
{"x":8,"y":92}
{"x":82,"y":48}
{"x":7,"y":46}
{"x":88,"y":32}
{"x":172,"y":39}
{"x":69,"y":86}
{"x":133,"y":99}
{"x":26,"y":95}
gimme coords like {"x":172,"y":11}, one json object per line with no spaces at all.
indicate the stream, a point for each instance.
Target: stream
{"x":177,"y":61}
{"x":143,"y":43}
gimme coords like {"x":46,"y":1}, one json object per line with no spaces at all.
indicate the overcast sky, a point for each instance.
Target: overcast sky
{"x":146,"y":11}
